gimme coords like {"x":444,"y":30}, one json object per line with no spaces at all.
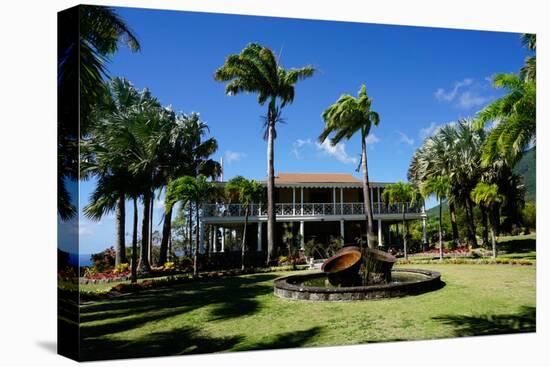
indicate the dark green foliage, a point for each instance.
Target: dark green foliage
{"x":527,"y":169}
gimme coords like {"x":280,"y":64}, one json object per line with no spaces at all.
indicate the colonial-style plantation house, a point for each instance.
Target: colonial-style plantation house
{"x":319,"y":206}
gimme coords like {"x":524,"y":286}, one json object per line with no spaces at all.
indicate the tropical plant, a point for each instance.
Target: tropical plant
{"x":513,"y":117}
{"x":487,"y":195}
{"x":343,"y":119}
{"x":403,"y":194}
{"x":187,"y":153}
{"x":257,"y":70}
{"x":101,"y":159}
{"x":245,"y":192}
{"x":453,"y":151}
{"x":191,"y":189}
{"x":81,"y":69}
{"x":440,"y":186}
{"x":529,"y":71}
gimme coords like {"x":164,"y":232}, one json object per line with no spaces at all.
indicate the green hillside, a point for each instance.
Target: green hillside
{"x":527,"y":168}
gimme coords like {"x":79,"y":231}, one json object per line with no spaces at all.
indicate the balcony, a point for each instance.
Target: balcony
{"x":307,"y":209}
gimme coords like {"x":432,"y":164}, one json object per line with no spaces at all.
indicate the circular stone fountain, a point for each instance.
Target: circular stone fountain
{"x":353,"y":274}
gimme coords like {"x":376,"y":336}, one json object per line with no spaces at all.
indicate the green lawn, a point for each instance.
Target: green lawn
{"x":241,"y":313}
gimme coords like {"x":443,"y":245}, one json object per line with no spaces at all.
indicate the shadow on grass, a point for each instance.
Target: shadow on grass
{"x":292,"y":339}
{"x":173,"y":342}
{"x":229,"y":298}
{"x":522,"y":322}
{"x":518,"y":245}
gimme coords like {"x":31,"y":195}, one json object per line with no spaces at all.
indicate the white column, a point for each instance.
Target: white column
{"x":342,"y":230}
{"x":380,"y":232}
{"x":379,"y":200}
{"x":302,"y":235}
{"x":334,"y":200}
{"x":223,"y":240}
{"x":302,"y":200}
{"x":424,"y":235}
{"x":341,"y":201}
{"x":293,"y":201}
{"x":371,"y":197}
{"x":214,"y":243}
{"x":259,"y":247}
{"x":201,"y":237}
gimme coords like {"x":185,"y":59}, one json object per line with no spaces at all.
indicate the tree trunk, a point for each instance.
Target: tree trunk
{"x":197,"y":227}
{"x":243,"y":247}
{"x":120,"y":217}
{"x":134,"y":244}
{"x":166,"y":229}
{"x":144,"y":266}
{"x":471,"y":225}
{"x":366,"y":194}
{"x":484,"y":228}
{"x":494,"y":242}
{"x":271,"y":219}
{"x":190,"y":234}
{"x":440,"y":233}
{"x":196,"y":252}
{"x":404,"y":234}
{"x":454,"y":225}
{"x":151,"y":228}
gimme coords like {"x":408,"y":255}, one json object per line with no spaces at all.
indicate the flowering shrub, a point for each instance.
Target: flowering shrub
{"x":121,"y":268}
{"x":169,"y":265}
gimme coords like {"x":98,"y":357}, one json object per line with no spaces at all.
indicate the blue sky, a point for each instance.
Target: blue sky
{"x":418,"y":78}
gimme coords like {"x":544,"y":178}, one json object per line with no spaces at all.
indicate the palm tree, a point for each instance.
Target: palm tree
{"x":245,"y":192}
{"x":401,"y":193}
{"x":453,"y":151}
{"x":81,"y":70}
{"x":488,"y":195}
{"x":343,"y":119}
{"x":191,"y":189}
{"x":529,"y":71}
{"x":101,"y":159}
{"x":186,"y":153}
{"x":515,"y":115}
{"x":440,"y":186}
{"x":257,"y":70}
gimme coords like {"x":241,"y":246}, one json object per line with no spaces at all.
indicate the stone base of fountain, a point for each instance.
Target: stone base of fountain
{"x":312,"y":286}
{"x":352,"y":274}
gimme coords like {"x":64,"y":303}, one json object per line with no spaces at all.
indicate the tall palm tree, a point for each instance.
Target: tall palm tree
{"x":187,"y":153}
{"x":245,"y":192}
{"x":343,"y":119}
{"x":257,"y":70}
{"x":191,"y":189}
{"x":81,"y":71}
{"x":488,"y":195}
{"x":440,"y":186}
{"x":453,"y":151}
{"x":403,"y":194}
{"x":515,"y":117}
{"x":100,"y":159}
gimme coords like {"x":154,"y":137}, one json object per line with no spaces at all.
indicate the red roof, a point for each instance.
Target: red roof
{"x":285,"y":178}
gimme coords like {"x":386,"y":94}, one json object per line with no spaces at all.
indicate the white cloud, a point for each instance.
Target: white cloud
{"x":443,"y":95}
{"x":430,"y":130}
{"x":298,"y":146}
{"x":231,"y":156}
{"x":372,"y":139}
{"x":471,"y":99}
{"x":405,"y":139}
{"x":465,"y":94}
{"x":337,"y":151}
